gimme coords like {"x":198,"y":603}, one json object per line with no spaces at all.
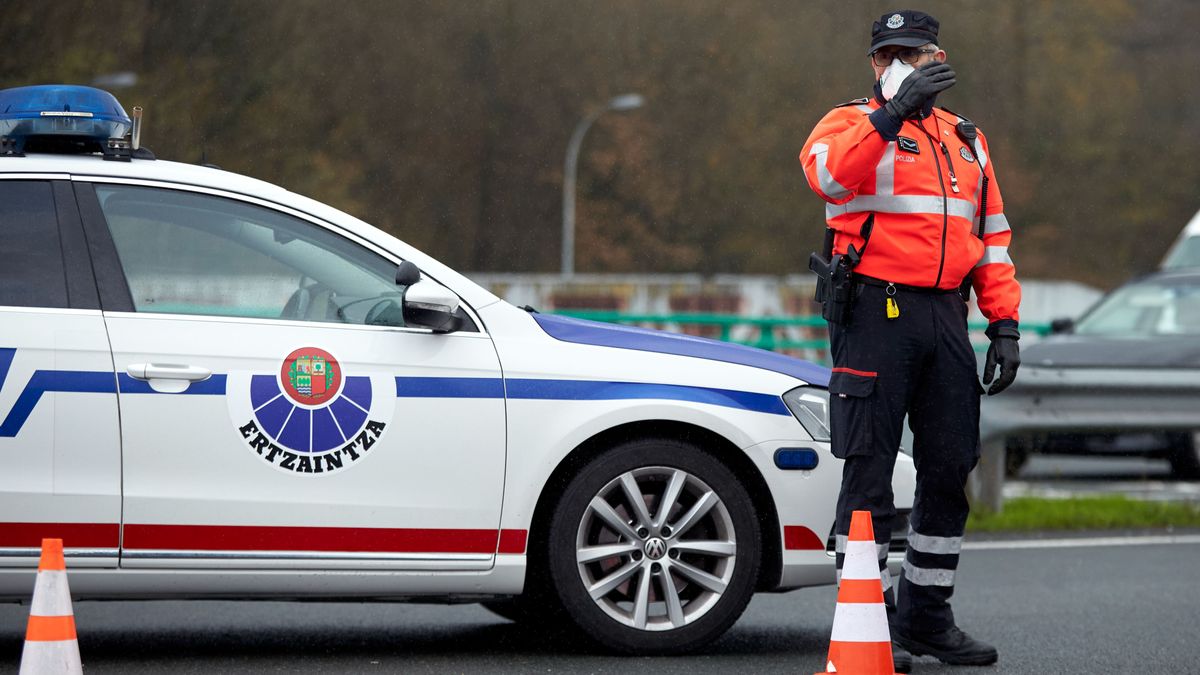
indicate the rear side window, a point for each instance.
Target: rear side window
{"x":31,"y":263}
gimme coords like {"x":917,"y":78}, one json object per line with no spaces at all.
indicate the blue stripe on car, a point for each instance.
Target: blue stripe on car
{"x":50,"y":381}
{"x":578,"y":390}
{"x":213,"y":386}
{"x":583,"y":390}
{"x":80,"y":382}
{"x":599,"y":334}
{"x":449,"y":387}
{"x":107,"y":382}
{"x":6,"y":357}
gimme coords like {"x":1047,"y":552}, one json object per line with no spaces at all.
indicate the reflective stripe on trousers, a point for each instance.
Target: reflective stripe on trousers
{"x":942,"y":547}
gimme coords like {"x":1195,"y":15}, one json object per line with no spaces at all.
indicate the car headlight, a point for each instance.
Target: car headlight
{"x":810,"y":406}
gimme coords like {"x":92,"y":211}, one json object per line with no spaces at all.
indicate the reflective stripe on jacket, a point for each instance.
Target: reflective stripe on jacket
{"x":924,"y":233}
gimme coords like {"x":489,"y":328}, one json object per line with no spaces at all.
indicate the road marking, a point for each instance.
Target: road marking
{"x":1149,"y":540}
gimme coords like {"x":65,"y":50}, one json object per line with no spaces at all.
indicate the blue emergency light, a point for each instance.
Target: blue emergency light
{"x":803,"y":459}
{"x":62,"y":110}
{"x":68,"y":118}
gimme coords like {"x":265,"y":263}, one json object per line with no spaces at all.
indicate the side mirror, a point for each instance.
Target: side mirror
{"x":428,"y":304}
{"x":407,"y":274}
{"x":1062,"y":326}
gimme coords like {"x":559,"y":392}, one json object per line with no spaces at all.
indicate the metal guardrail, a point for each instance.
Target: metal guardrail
{"x":769,"y":327}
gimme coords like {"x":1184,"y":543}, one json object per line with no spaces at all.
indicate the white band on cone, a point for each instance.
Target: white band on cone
{"x":857,"y":622}
{"x":51,"y":594}
{"x":860,"y":562}
{"x":51,"y":657}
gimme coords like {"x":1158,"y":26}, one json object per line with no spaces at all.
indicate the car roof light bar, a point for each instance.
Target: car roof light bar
{"x":66,"y":118}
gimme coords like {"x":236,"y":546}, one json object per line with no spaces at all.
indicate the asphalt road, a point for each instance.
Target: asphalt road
{"x":1123,"y":609}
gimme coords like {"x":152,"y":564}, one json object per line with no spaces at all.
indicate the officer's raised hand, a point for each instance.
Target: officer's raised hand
{"x":1003,"y":352}
{"x":922,"y":84}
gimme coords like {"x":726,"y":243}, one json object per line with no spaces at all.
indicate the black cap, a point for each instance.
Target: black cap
{"x":907,"y":28}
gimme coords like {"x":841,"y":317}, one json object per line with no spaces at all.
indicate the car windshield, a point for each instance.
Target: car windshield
{"x":1185,"y":254}
{"x":1160,"y":307}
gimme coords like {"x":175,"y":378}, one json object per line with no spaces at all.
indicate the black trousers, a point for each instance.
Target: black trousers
{"x":920,"y":363}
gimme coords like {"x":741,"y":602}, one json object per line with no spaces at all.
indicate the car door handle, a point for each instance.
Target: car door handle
{"x":167,"y":371}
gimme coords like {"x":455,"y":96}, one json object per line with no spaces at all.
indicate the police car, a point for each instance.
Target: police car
{"x":211,"y":387}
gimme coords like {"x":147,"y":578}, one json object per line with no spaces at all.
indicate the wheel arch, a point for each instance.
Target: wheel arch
{"x":718,"y":446}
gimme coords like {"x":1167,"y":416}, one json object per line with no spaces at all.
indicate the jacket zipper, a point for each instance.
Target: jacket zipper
{"x":945,"y":209}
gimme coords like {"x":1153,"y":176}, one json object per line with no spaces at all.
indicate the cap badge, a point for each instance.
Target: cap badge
{"x":895,"y":21}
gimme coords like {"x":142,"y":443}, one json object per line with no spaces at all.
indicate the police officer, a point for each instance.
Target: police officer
{"x":911,"y":189}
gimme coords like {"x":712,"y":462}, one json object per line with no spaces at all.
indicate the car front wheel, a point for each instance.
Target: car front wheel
{"x":654,"y":548}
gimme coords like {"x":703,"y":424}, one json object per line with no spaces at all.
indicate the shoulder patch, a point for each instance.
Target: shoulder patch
{"x":857,"y":101}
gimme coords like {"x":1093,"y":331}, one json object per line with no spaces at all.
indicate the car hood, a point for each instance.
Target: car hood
{"x":600,"y":334}
{"x":1085,"y":351}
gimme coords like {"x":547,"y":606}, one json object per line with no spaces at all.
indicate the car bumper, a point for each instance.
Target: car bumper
{"x":805,"y":502}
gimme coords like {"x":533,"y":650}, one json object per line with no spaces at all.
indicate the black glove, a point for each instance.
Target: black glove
{"x":1003,"y":352}
{"x":924,"y":83}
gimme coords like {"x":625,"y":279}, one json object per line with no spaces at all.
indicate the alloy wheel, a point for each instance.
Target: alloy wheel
{"x":656,"y":548}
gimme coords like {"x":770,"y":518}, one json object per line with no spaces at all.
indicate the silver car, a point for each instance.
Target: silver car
{"x":1122,"y":380}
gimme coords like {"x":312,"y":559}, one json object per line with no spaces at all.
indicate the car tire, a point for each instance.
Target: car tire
{"x":654,"y":580}
{"x":1185,"y":456}
{"x":1015,"y":457}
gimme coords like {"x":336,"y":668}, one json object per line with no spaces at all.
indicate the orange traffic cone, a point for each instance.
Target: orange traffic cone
{"x":50,"y":643}
{"x":861,"y":643}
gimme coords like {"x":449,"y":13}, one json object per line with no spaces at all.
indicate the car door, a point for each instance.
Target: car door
{"x":275,"y":412}
{"x":59,"y":441}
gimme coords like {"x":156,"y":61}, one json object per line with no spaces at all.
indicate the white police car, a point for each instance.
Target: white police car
{"x":211,"y":387}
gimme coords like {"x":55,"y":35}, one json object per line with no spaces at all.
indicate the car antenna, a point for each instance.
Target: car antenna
{"x":204,"y":160}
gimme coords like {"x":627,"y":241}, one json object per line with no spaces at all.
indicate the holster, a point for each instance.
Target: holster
{"x":835,"y":275}
{"x":835,"y":285}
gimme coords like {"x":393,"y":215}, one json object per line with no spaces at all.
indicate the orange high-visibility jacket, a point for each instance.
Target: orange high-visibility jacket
{"x":924,"y":233}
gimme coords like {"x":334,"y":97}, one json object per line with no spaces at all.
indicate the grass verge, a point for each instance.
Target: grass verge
{"x":1084,"y":513}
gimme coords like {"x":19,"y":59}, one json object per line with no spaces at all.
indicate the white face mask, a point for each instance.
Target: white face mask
{"x":895,"y":73}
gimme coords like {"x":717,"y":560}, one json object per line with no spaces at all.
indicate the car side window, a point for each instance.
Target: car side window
{"x":188,"y":253}
{"x":32,"y":273}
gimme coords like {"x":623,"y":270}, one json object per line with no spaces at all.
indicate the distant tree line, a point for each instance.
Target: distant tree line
{"x":445,"y":122}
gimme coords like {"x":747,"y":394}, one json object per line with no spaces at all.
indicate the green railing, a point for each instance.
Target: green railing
{"x":771,"y":329}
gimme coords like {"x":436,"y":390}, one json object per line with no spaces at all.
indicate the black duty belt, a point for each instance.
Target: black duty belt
{"x":872,"y":281}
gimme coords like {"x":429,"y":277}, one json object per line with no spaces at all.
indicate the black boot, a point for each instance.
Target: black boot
{"x":951,"y":646}
{"x":901,"y":659}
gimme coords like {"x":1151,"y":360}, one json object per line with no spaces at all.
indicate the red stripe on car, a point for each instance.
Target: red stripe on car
{"x":800,"y":538}
{"x":139,"y":536}
{"x":512,"y":541}
{"x":74,"y":535}
{"x":324,"y":539}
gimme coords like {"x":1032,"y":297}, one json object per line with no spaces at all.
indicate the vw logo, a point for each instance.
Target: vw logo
{"x":655,"y":548}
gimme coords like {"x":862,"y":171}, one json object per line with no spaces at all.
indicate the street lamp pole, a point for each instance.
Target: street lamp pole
{"x":119,"y":80}
{"x":620,"y":104}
